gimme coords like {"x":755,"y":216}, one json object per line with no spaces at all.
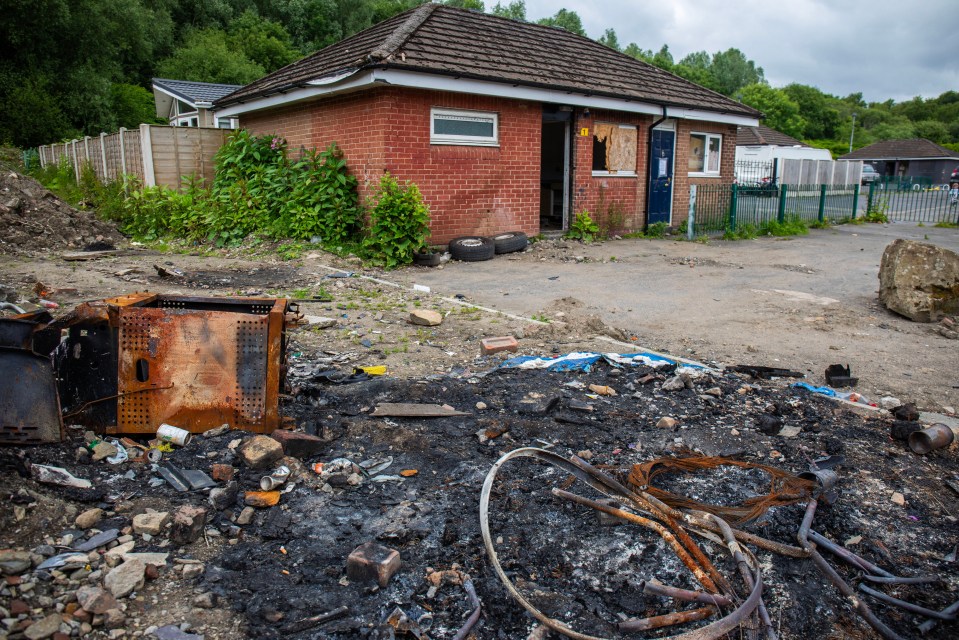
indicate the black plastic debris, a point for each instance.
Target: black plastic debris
{"x":764,"y":373}
{"x":839,"y":376}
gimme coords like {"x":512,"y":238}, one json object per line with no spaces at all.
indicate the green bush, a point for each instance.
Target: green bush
{"x":583,"y":228}
{"x":656,"y":230}
{"x":257,"y":188}
{"x":791,"y":226}
{"x":399,"y":224}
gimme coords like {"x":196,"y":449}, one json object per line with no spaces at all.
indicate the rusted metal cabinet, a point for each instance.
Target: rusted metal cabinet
{"x":192,"y":362}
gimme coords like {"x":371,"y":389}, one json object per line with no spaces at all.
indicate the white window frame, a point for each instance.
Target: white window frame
{"x":619,"y":173}
{"x":708,"y":136}
{"x":232,"y":121}
{"x":471,"y":141}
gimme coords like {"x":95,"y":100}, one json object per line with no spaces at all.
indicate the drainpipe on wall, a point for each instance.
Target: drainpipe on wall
{"x":649,"y":163}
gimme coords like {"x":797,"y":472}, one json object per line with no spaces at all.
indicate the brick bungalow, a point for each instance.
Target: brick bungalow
{"x":503,"y":125}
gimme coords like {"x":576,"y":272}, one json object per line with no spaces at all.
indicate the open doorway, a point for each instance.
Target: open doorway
{"x":554,"y":169}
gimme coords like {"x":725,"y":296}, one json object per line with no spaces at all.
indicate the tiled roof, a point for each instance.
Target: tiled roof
{"x":763,"y":136}
{"x":437,"y":39}
{"x":194,"y":92}
{"x":892,"y":149}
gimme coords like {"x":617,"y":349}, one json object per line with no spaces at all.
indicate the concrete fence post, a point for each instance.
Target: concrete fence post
{"x":691,"y":220}
{"x":146,"y":151}
{"x":103,"y":155}
{"x":123,"y":152}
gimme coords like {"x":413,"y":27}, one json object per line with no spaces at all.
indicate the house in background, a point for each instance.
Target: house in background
{"x":503,"y":125}
{"x":190,"y":104}
{"x":915,"y":158}
{"x":762,"y":144}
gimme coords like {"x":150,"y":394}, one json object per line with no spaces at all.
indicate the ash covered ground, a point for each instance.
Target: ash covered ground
{"x":269,"y":577}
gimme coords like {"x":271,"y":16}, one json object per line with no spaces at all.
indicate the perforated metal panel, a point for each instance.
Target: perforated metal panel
{"x":133,"y":406}
{"x":251,"y":359}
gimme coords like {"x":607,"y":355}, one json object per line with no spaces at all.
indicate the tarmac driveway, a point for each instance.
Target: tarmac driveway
{"x":800,"y":302}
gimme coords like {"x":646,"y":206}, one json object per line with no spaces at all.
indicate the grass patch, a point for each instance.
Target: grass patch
{"x":946,"y":225}
{"x":791,"y":226}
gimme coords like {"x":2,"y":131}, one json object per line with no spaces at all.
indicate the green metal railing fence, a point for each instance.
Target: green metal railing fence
{"x":729,"y":208}
{"x":913,"y":204}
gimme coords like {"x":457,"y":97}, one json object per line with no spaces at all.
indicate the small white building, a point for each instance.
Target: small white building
{"x":189,"y":104}
{"x":762,"y":144}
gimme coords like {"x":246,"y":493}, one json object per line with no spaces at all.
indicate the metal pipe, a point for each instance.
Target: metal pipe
{"x":667,"y":620}
{"x":11,"y":307}
{"x":477,"y":611}
{"x":666,"y":535}
{"x":686,"y":595}
{"x":848,"y":555}
{"x":908,"y":606}
{"x":937,"y":436}
{"x":900,"y":580}
{"x":829,"y":572}
{"x":746,"y":573}
{"x":929,"y":625}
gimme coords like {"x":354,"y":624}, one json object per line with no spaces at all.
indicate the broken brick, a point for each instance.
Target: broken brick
{"x":188,"y":522}
{"x":298,"y":444}
{"x":489,"y":346}
{"x":222,"y":472}
{"x":259,"y":452}
{"x":372,"y":562}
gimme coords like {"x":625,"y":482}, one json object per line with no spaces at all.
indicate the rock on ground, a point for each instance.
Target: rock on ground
{"x":126,"y":578}
{"x":919,"y":280}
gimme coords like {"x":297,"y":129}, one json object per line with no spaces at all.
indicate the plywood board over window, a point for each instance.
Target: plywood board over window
{"x":614,"y":149}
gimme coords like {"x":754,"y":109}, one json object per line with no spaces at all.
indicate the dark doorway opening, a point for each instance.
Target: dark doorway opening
{"x":554,"y":169}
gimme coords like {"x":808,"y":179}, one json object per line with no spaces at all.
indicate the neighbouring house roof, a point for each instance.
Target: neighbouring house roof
{"x":762,"y":135}
{"x":442,"y":41}
{"x":914,"y":149}
{"x":195,"y":93}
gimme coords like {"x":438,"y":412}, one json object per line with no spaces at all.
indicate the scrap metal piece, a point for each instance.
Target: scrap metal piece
{"x":908,"y":606}
{"x":666,"y":591}
{"x":861,"y":608}
{"x":413,"y":410}
{"x":185,"y":479}
{"x":134,"y":362}
{"x":712,"y":631}
{"x":764,"y":373}
{"x":97,"y":541}
{"x":29,"y":405}
{"x":667,"y":620}
{"x":477,"y":611}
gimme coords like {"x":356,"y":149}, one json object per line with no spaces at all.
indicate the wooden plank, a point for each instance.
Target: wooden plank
{"x":411,"y":410}
{"x":83,"y":256}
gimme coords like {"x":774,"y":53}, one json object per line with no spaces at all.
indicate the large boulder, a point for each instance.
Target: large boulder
{"x":919,"y":280}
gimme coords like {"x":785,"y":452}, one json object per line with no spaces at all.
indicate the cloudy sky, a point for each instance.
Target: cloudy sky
{"x":884,"y":48}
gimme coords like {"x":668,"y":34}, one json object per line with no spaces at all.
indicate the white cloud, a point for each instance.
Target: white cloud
{"x":882,"y":48}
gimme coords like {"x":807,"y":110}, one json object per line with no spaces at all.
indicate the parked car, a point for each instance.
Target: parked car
{"x":869,"y":174}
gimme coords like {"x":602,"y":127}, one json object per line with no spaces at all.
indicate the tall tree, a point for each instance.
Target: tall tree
{"x":565,"y":19}
{"x":207,"y":56}
{"x":781,"y":113}
{"x":515,"y":10}
{"x":816,"y":108}
{"x":609,"y":39}
{"x":732,"y":71}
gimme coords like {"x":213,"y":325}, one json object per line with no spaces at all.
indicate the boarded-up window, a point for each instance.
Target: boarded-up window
{"x":614,"y":148}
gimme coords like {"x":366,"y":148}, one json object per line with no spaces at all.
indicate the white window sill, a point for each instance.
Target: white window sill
{"x":614,"y":174}
{"x":700,"y":174}
{"x":463,"y":143}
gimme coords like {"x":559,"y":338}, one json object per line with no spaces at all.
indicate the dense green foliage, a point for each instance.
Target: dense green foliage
{"x":258,"y":188}
{"x":79,"y":67}
{"x":399,"y":223}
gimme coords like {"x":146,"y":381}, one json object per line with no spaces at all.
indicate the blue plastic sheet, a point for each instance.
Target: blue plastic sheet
{"x":584,"y":361}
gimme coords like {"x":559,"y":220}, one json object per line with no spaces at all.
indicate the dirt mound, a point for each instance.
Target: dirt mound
{"x":34,"y":220}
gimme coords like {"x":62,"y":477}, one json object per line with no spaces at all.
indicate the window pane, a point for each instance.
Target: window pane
{"x":599,"y":154}
{"x":713,"y":154}
{"x":463,"y":126}
{"x":697,"y":152}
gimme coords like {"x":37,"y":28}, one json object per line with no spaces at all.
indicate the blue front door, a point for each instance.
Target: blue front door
{"x":661,"y":176}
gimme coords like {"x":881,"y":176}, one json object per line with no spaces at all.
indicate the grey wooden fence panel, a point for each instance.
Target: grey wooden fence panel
{"x":154,"y":154}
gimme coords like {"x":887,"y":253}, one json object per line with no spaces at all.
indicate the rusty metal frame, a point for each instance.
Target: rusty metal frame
{"x":194,"y":362}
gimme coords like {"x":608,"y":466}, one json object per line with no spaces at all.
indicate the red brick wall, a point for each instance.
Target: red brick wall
{"x":727,"y":163}
{"x":627,"y":191}
{"x":480,"y":190}
{"x":470,"y":190}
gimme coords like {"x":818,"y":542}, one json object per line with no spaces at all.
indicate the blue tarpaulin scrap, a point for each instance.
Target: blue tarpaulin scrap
{"x":851,"y":396}
{"x":584,"y":361}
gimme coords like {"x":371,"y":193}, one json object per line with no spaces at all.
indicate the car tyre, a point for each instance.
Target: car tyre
{"x":472,"y":248}
{"x":510,"y":241}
